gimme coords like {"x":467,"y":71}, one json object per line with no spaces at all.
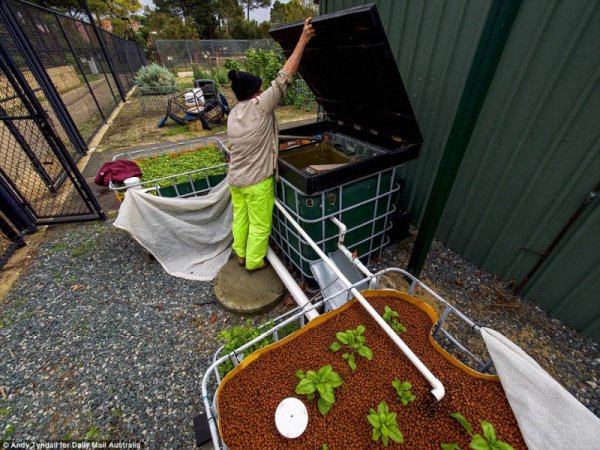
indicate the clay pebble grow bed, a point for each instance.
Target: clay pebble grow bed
{"x":249,"y":396}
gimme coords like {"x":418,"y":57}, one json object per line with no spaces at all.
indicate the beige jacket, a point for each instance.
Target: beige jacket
{"x":253,"y":135}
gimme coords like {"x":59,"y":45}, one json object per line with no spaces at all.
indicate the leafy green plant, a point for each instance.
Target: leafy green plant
{"x":321,"y":382}
{"x":232,"y":64}
{"x":384,"y":425}
{"x":175,"y":163}
{"x":403,"y":389}
{"x":389,"y":315}
{"x":354,"y":341}
{"x":200,"y":74}
{"x":478,"y":442}
{"x":238,"y":335}
{"x":155,"y":76}
{"x":266,"y":64}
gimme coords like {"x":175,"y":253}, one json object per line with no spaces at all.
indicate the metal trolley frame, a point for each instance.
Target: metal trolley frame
{"x":182,"y":189}
{"x":212,"y":379}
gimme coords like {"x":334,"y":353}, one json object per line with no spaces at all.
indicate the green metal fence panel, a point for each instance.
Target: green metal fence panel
{"x":568,"y":286}
{"x":535,"y":152}
{"x":434,"y":43}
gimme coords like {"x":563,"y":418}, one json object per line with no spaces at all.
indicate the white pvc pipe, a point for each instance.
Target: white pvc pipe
{"x":354,"y":260}
{"x":438,"y":388}
{"x":291,"y":285}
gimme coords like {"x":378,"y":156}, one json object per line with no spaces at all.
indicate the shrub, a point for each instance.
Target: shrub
{"x":200,"y":74}
{"x":232,"y":64}
{"x":154,"y":75}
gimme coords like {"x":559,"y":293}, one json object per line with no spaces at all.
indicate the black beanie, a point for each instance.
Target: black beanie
{"x":243,"y":84}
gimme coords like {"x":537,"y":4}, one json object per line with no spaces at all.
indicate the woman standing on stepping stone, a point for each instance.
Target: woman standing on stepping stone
{"x":253,"y":134}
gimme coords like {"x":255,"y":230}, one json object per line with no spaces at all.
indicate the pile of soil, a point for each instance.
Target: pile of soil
{"x":248,"y":399}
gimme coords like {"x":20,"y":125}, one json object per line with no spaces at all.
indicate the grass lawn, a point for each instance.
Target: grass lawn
{"x":132,"y":128}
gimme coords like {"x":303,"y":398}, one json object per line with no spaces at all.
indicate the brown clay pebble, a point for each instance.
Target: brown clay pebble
{"x":248,"y":400}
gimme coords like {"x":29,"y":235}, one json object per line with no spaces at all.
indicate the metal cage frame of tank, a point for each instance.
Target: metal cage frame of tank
{"x":212,"y":379}
{"x":188,"y":188}
{"x":297,"y":251}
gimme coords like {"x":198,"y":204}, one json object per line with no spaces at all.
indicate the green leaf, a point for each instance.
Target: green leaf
{"x":305,"y":387}
{"x":501,"y":445}
{"x":374,"y":420}
{"x":324,"y":447}
{"x":406,"y":386}
{"x":383,"y":408}
{"x":300,"y":374}
{"x":335,"y":346}
{"x":395,"y":435}
{"x":488,"y":430}
{"x":340,"y":336}
{"x":360,"y":329}
{"x":376,"y":434}
{"x":385,"y":439}
{"x":463,"y":421}
{"x":479,"y":443}
{"x":312,"y":375}
{"x":327,"y":394}
{"x":324,"y":406}
{"x":346,"y":356}
{"x":450,"y":446}
{"x":311,"y":396}
{"x":352,"y":363}
{"x":396,"y":383}
{"x":325,"y":371}
{"x":334,"y":380}
{"x":390,"y":419}
{"x":365,"y":352}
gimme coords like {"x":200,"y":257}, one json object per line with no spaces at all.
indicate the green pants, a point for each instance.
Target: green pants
{"x":252,"y":220}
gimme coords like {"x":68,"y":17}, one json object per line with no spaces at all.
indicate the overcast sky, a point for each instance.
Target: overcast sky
{"x":260,"y":15}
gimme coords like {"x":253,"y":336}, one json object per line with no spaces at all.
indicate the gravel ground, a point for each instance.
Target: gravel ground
{"x":95,"y":343}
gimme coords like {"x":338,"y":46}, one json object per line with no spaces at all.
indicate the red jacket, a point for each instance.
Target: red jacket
{"x":118,"y":170}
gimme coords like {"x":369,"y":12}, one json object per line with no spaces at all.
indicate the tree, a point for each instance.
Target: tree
{"x":250,"y":5}
{"x":164,"y":26}
{"x":294,"y":11}
{"x":241,"y":28}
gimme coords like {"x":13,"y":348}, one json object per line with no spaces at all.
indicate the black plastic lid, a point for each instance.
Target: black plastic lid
{"x":350,"y":68}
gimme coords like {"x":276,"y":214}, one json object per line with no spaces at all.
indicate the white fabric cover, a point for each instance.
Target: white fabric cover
{"x":190,"y":237}
{"x":548,"y":415}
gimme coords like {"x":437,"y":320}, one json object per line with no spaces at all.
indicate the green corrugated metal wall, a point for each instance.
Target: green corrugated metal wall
{"x":534,"y":154}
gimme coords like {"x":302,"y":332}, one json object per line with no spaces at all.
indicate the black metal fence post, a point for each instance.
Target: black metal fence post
{"x":102,"y":44}
{"x":14,"y":210}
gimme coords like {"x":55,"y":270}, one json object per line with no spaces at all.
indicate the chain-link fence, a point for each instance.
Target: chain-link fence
{"x":182,"y":55}
{"x":91,"y":77}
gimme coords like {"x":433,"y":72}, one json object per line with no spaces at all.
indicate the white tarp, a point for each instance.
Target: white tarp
{"x":548,"y":415}
{"x":190,"y":237}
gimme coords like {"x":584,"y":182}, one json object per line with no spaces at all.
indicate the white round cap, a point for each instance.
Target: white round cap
{"x":291,"y":418}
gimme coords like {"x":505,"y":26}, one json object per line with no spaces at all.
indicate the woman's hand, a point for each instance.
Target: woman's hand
{"x":308,"y":31}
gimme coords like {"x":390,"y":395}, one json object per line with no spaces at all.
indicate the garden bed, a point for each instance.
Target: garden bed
{"x":249,"y":395}
{"x":179,"y":170}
